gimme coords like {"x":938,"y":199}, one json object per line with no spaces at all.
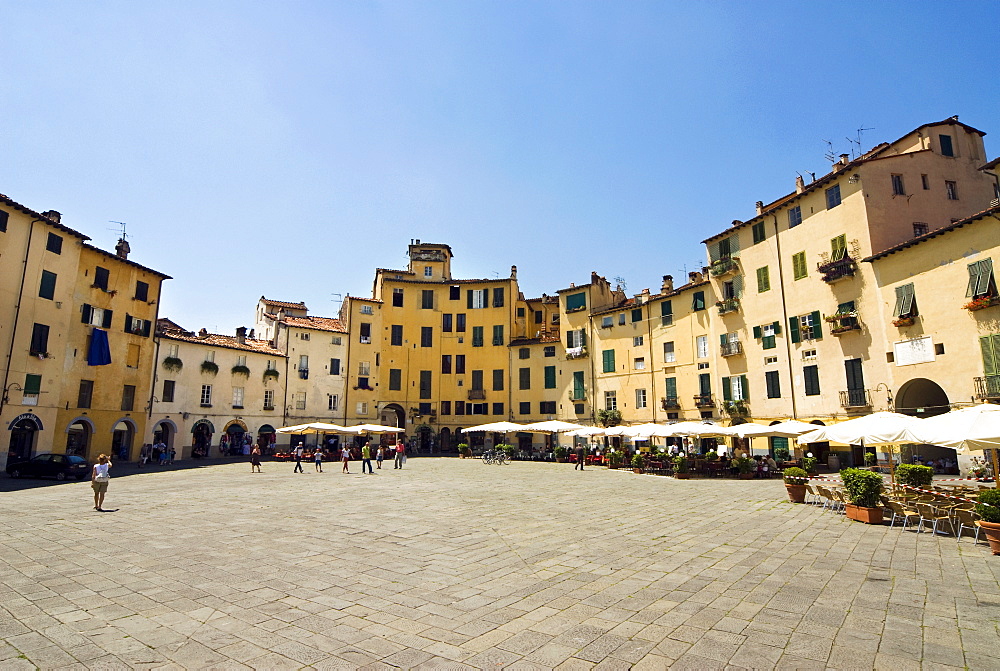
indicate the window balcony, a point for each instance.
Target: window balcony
{"x":667,"y":320}
{"x":843,"y":323}
{"x":304,"y":373}
{"x":268,"y":407}
{"x":477,"y":394}
{"x":670,"y":403}
{"x":576,"y":352}
{"x":988,"y":388}
{"x":731,"y":348}
{"x":981,"y":303}
{"x":728,"y":305}
{"x":855,"y":398}
{"x":837,"y":270}
{"x":704,"y":401}
{"x":577,"y":395}
{"x":724,"y":267}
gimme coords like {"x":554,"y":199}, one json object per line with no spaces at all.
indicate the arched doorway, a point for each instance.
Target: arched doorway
{"x":392,"y":415}
{"x":266,"y":437}
{"x":922,"y":398}
{"x":445,"y":438}
{"x":164,"y":432}
{"x":235,"y":437}
{"x":122,"y":436}
{"x":23,"y":430}
{"x":201,"y":438}
{"x":78,"y":436}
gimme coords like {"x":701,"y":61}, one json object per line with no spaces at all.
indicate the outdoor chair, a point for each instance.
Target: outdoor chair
{"x":899,"y":512}
{"x":966,"y":520}
{"x":810,"y":492}
{"x":930,"y":514}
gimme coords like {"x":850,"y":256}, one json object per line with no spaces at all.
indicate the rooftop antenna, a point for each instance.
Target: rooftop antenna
{"x":858,"y":141}
{"x":121,"y":233}
{"x":619,"y":280}
{"x":829,"y":155}
{"x":338,"y":298}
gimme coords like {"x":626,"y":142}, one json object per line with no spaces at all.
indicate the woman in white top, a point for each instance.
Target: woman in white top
{"x":99,"y":480}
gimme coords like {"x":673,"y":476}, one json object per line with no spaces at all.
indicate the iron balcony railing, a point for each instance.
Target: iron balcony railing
{"x":731,"y":348}
{"x":728,"y":305}
{"x":855,"y":398}
{"x":836,"y":270}
{"x":477,"y":394}
{"x":723,"y":267}
{"x":704,"y":401}
{"x":988,"y":387}
{"x":670,"y":403}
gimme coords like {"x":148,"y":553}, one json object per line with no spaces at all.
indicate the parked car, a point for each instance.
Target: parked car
{"x":58,"y":466}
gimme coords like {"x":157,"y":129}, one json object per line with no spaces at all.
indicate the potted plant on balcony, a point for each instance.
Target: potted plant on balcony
{"x":746,"y":466}
{"x":270,"y":374}
{"x":464,"y":451}
{"x":988,"y":509}
{"x":871,"y":461}
{"x":210,"y":367}
{"x":902,"y":321}
{"x":561,"y":453}
{"x":173,"y":364}
{"x":638,"y":462}
{"x":681,"y":467}
{"x":863,"y":489}
{"x":795,"y":484}
{"x":982,"y":302}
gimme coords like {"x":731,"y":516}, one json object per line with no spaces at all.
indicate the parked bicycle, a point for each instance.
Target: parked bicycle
{"x":495,"y":456}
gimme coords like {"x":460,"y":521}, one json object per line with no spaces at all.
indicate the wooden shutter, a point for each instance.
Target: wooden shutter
{"x":86,"y":312}
{"x":763,"y":279}
{"x":468,"y":298}
{"x":48,"y":285}
{"x":746,"y":387}
{"x":569,"y":339}
{"x":666,"y":308}
{"x":907,"y":302}
{"x":578,"y":384}
{"x":698,"y":300}
{"x":817,"y":329}
{"x":608,"y":358}
{"x":724,"y":339}
{"x":737,"y":286}
{"x":550,"y":377}
{"x":758,"y":332}
{"x":714,"y":252}
{"x":32,"y":384}
{"x":793,"y":329}
{"x":838,"y":247}
{"x":671,"y":387}
{"x":989,"y":352}
{"x":705,"y":383}
{"x":777,"y":328}
{"x":855,"y":376}
{"x":147,"y":328}
{"x":637,"y":315}
{"x":727,"y":389}
{"x":107,"y":318}
{"x":128,"y":323}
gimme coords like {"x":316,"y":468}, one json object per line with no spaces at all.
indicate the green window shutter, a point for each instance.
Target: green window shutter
{"x":845,"y":307}
{"x":746,"y":387}
{"x":578,"y":384}
{"x":838,"y":247}
{"x":758,"y":333}
{"x":477,"y":336}
{"x":608,"y":357}
{"x":793,"y":329}
{"x":763,"y":279}
{"x":48,"y":285}
{"x":714,"y":253}
{"x":637,"y":315}
{"x":777,"y":328}
{"x":989,"y":355}
{"x":724,"y":339}
{"x":468,"y":298}
{"x":666,"y":308}
{"x":727,"y":389}
{"x":758,"y":232}
{"x":498,"y":334}
{"x":900,"y":296}
{"x":907,"y":295}
{"x":108,"y":316}
{"x":32,"y":384}
{"x":576,"y":301}
{"x":817,"y":326}
{"x":698,"y":301}
{"x":973,"y":287}
{"x":768,"y":342}
{"x":671,"y":387}
{"x":737,"y":286}
{"x":583,"y":338}
{"x":550,"y":377}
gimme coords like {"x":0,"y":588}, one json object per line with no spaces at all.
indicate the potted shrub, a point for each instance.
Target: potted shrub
{"x":681,"y":468}
{"x":509,"y":450}
{"x":464,"y":451}
{"x":988,"y":510}
{"x":712,"y":456}
{"x":638,"y":462}
{"x":871,"y":461}
{"x":173,"y":364}
{"x":561,"y":454}
{"x":863,"y":489}
{"x":914,"y":475}
{"x":746,"y":465}
{"x":809,"y":463}
{"x":795,"y":484}
{"x":781,"y":454}
{"x":210,"y":367}
{"x":614,"y":459}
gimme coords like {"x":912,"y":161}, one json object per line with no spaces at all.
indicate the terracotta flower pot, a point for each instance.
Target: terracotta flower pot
{"x":682,"y":476}
{"x":746,"y":476}
{"x":992,"y":531}
{"x":796,"y":493}
{"x":637,"y":471}
{"x":866,"y":515}
{"x":561,"y":460}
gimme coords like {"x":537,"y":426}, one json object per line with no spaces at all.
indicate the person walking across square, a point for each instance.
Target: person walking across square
{"x":298,"y":460}
{"x":345,"y":455}
{"x":400,"y":454}
{"x":366,"y":459}
{"x":581,"y":456}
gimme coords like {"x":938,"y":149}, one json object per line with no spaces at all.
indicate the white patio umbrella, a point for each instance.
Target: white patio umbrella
{"x":879,"y":428}
{"x":374,"y":428}
{"x":790,"y":428}
{"x":629,"y":431}
{"x":313,"y":427}
{"x":551,"y":426}
{"x":495,"y":427}
{"x":967,"y":430}
{"x":586,"y":432}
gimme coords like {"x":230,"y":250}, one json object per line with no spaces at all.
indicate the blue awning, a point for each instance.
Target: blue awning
{"x":99,"y":353}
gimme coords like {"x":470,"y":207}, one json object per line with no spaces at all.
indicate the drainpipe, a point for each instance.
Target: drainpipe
{"x":284,"y":400}
{"x":17,"y":313}
{"x":649,"y":344}
{"x":156,"y":353}
{"x":784,"y":318}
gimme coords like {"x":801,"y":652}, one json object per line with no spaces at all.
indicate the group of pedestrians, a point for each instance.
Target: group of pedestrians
{"x":399,"y":458}
{"x":157,"y":453}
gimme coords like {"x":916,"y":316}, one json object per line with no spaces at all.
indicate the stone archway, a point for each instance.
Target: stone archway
{"x":122,"y":437}
{"x":79,"y":433}
{"x":922,"y":398}
{"x":392,"y":415}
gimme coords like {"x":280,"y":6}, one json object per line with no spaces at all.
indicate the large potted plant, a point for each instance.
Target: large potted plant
{"x":464,"y":451}
{"x":509,"y":450}
{"x":561,"y":454}
{"x":638,"y":462}
{"x":614,"y":459}
{"x":681,"y":468}
{"x":988,"y":510}
{"x":809,"y":463}
{"x":871,"y":461}
{"x":914,"y":475}
{"x":746,"y":466}
{"x":863,"y":489}
{"x":795,"y":484}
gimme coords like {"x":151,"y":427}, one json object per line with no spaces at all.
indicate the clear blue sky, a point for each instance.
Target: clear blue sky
{"x":289,"y":148}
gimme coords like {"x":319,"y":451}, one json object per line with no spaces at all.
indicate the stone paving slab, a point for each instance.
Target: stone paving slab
{"x":453,"y":564}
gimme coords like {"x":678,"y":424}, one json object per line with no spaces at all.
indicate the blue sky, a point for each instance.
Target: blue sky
{"x":288,"y":149}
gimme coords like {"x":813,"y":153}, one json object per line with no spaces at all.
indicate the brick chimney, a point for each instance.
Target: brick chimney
{"x":241,"y":335}
{"x":760,"y":206}
{"x":800,"y":184}
{"x":122,"y":248}
{"x":668,"y":284}
{"x":203,"y":333}
{"x":53,"y":215}
{"x":695,"y":277}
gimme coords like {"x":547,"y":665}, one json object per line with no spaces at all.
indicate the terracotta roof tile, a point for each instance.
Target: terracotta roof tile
{"x":127,"y":262}
{"x":225,"y":341}
{"x":315,"y":323}
{"x":65,"y":229}
{"x":991,"y":211}
{"x":284,"y":304}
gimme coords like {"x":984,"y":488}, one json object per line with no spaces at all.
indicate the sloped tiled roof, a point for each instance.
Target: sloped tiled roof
{"x":316,"y":323}
{"x":284,"y":304}
{"x":224,"y":341}
{"x":992,"y":211}
{"x":21,"y":208}
{"x":127,"y":262}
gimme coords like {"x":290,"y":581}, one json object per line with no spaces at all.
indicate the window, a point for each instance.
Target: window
{"x":805,"y":327}
{"x":460,"y":364}
{"x":670,"y":389}
{"x":947,"y":149}
{"x":32,"y":389}
{"x":334,"y":366}
{"x":241,"y":360}
{"x":981,"y":280}
{"x":799,"y":269}
{"x":365,"y":334}
{"x":763,"y":280}
{"x":361,"y":408}
{"x":539,"y":317}
{"x":427,"y":299}
{"x":524,"y":378}
{"x":268,"y":399}
{"x":367,"y":310}
{"x":701,"y":346}
{"x":576,"y":302}
{"x":336,"y":340}
{"x":920,"y":228}
{"x":924,"y":182}
{"x":454,"y":293}
{"x":666,"y":313}
{"x":397,"y":298}
{"x":141,"y":291}
{"x":86,"y":393}
{"x":735,"y":388}
{"x":477,"y":381}
{"x":838,"y":248}
{"x":524,"y":408}
{"x":951,"y":188}
{"x":303,"y":366}
{"x":206,"y":395}
{"x":446,"y":321}
{"x":579,"y":390}
{"x":639,"y":363}
{"x":810,"y":374}
{"x":897,"y":186}
{"x":523,"y":353}
{"x":520,"y":313}
{"x":428,"y":271}
{"x":547,"y":407}
{"x":794,"y":216}
{"x":132,"y":355}
{"x":476,"y":299}
{"x":498,"y":297}
{"x":607,"y":322}
{"x":3,"y":221}
{"x":637,"y":341}
{"x":498,"y":335}
{"x":445,"y":364}
{"x":698,"y":301}
{"x":773,"y":383}
{"x":136,"y":326}
{"x":766,"y":334}
{"x":498,"y":408}
{"x":426,"y":336}
{"x":425,"y":384}
{"x":101,"y":276}
{"x":608,"y":359}
{"x":833,"y":197}
{"x":39,"y":339}
{"x":331,"y":402}
{"x":128,"y":397}
{"x":167,"y":395}
{"x":621,"y":319}
{"x":460,"y":322}
{"x":172,"y":351}
{"x":238,"y":397}
{"x":477,"y":336}
{"x":808,"y":355}
{"x":47,"y":287}
{"x":636,"y":315}
{"x":668,"y":352}
{"x":758,"y":232}
{"x":549,"y":350}
{"x":445,"y":407}
{"x":498,"y":379}
{"x":770,"y":360}
{"x":576,"y":338}
{"x":395,"y":379}
{"x":300,"y":400}
{"x":550,"y":377}
{"x":640,"y":398}
{"x":610,"y":400}
{"x":210,"y":356}
{"x":906,"y":303}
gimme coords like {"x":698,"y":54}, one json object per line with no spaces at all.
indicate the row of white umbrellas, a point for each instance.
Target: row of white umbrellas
{"x":323,"y":427}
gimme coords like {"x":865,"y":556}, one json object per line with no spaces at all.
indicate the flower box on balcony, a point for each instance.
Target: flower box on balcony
{"x":728,"y":305}
{"x":903,"y":321}
{"x":982,"y":303}
{"x":845,"y":328}
{"x":837,"y":270}
{"x":723,"y":267}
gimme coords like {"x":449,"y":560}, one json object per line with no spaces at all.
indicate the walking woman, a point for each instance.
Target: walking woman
{"x":255,"y":459}
{"x":99,"y":480}
{"x":380,"y":455}
{"x":346,"y":456}
{"x":318,"y":458}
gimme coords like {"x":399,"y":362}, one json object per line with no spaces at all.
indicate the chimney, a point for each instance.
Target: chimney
{"x":122,"y":249}
{"x":53,"y":215}
{"x":241,"y":335}
{"x":594,"y":277}
{"x":252,"y":336}
{"x":694,"y":277}
{"x":760,"y":206}
{"x":203,"y":333}
{"x":513,"y":272}
{"x":572,"y":285}
{"x":668,"y":284}
{"x":800,"y":184}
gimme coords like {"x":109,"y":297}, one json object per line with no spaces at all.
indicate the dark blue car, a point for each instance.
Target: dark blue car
{"x":58,"y":466}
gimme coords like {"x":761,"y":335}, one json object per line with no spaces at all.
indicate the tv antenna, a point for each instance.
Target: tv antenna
{"x":620,"y":281}
{"x":857,"y":142}
{"x":338,"y":298}
{"x":121,"y":233}
{"x":829,"y":155}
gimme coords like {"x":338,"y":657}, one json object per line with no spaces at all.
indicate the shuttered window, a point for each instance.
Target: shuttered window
{"x":799,"y":269}
{"x":550,"y":377}
{"x":810,"y":374}
{"x":47,"y":287}
{"x":425,"y":384}
{"x":395,"y":379}
{"x":906,"y":304}
{"x":498,"y":334}
{"x":833,"y":197}
{"x":773,"y":383}
{"x":670,"y":387}
{"x":477,"y":336}
{"x":578,"y":389}
{"x":524,"y":378}
{"x":608,"y":358}
{"x":39,"y":339}
{"x":981,"y":280}
{"x":498,"y":297}
{"x":666,"y":313}
{"x":838,"y":248}
{"x":763,"y":280}
{"x":426,"y":336}
{"x":498,"y":379}
{"x":576,"y":302}
{"x":698,"y":300}
{"x":636,"y":315}
{"x":758,"y":232}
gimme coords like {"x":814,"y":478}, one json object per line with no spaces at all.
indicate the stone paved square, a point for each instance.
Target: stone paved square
{"x":455,"y":564}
